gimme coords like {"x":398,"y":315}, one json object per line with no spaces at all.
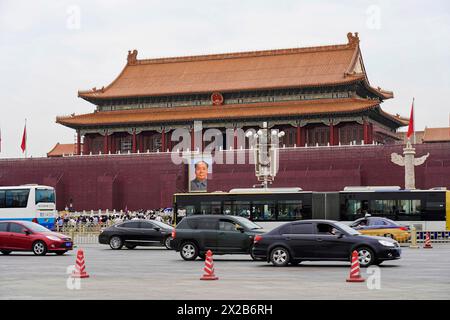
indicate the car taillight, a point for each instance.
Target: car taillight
{"x":404,"y":228}
{"x":257,"y":238}
{"x":34,"y":220}
{"x":174,"y":233}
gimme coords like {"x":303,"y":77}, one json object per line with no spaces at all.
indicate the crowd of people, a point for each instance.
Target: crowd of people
{"x":76,"y":219}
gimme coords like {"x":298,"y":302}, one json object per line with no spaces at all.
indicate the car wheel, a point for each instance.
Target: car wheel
{"x":366,"y":256}
{"x":167,"y":243}
{"x":60,"y":253}
{"x":279,"y":257}
{"x":130,"y":246}
{"x":116,"y":243}
{"x":6,"y":252}
{"x":189,"y":251}
{"x":40,"y":248}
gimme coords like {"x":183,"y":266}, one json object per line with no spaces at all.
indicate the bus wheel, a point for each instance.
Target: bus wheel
{"x":39,"y":248}
{"x":5,"y":252}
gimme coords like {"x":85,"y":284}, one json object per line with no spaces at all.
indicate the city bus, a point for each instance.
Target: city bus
{"x":34,"y":203}
{"x":427,"y":209}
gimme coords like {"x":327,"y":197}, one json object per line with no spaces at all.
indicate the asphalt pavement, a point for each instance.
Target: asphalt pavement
{"x":157,"y":273}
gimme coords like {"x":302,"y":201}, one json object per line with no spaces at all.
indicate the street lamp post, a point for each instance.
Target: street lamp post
{"x":266,"y":153}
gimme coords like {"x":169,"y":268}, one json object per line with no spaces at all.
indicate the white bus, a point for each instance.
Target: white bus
{"x":34,"y":203}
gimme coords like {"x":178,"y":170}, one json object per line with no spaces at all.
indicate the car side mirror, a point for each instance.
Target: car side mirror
{"x":26,"y":231}
{"x":240,"y":229}
{"x":157,"y":228}
{"x":339,"y":235}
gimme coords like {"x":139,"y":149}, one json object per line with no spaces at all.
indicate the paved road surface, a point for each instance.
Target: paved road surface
{"x":156,"y":273}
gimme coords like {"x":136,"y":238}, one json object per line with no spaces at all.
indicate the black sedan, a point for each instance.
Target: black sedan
{"x":135,"y":233}
{"x":322,"y":240}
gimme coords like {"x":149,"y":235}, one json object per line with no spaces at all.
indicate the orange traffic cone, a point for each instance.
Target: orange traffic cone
{"x":355,"y":276}
{"x":427,"y":242}
{"x":209,"y":267}
{"x":80,"y":269}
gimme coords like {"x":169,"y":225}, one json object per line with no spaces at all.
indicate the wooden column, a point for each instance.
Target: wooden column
{"x":235,"y":141}
{"x":133,"y":144}
{"x":163,"y":140}
{"x":192,"y":139}
{"x":331,"y":126}
{"x":86,"y":144}
{"x":366,"y":132}
{"x":78,"y":142}
{"x":105,"y":143}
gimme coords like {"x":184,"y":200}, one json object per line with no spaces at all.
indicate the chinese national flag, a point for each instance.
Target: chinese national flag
{"x":23,"y":146}
{"x":411,"y":122}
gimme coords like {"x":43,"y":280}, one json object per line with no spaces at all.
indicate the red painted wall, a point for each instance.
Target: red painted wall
{"x":149,"y":180}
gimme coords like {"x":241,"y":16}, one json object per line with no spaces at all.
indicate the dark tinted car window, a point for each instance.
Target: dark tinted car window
{"x":3,"y":227}
{"x":147,"y":225}
{"x":302,"y":228}
{"x":203,"y":224}
{"x":16,"y":228}
{"x":183,"y":224}
{"x":227,"y":225}
{"x":133,"y":224}
{"x":286,"y":229}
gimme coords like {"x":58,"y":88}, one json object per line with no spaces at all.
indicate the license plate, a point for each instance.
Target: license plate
{"x":68,"y":244}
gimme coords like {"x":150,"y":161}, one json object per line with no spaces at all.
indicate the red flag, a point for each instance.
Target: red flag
{"x":411,"y":122}
{"x":23,"y":146}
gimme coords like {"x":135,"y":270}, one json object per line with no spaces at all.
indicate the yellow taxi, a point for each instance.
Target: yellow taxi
{"x":383,"y":227}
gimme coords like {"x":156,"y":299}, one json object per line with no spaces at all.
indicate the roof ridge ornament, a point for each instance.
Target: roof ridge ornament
{"x":132,"y":57}
{"x":353,"y":40}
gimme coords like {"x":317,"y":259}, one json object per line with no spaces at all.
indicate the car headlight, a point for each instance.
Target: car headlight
{"x":386,"y":243}
{"x":53,"y":238}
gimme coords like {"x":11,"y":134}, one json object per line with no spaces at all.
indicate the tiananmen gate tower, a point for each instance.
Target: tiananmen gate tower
{"x":336,"y":132}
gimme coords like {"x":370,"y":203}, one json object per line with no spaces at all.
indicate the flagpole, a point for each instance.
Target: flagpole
{"x":414,"y":122}
{"x":26,"y":134}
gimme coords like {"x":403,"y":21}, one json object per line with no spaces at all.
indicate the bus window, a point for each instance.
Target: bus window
{"x":16,"y":198}
{"x":290,"y":210}
{"x":242,"y":209}
{"x":209,"y":207}
{"x":263,"y":210}
{"x":184,"y":211}
{"x":2,"y":199}
{"x":45,"y":195}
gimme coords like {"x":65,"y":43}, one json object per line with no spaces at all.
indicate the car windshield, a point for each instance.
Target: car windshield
{"x":247,"y":223}
{"x":162,"y":224}
{"x":347,"y":229}
{"x":34,"y":226}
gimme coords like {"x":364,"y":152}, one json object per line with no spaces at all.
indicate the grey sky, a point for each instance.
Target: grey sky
{"x":45,"y":58}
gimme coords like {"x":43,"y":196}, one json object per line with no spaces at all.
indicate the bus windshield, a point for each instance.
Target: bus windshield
{"x":45,"y":195}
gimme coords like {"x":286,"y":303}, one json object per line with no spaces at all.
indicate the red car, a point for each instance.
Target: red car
{"x":30,"y":236}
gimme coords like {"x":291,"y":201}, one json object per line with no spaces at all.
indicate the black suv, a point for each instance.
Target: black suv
{"x":221,"y":234}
